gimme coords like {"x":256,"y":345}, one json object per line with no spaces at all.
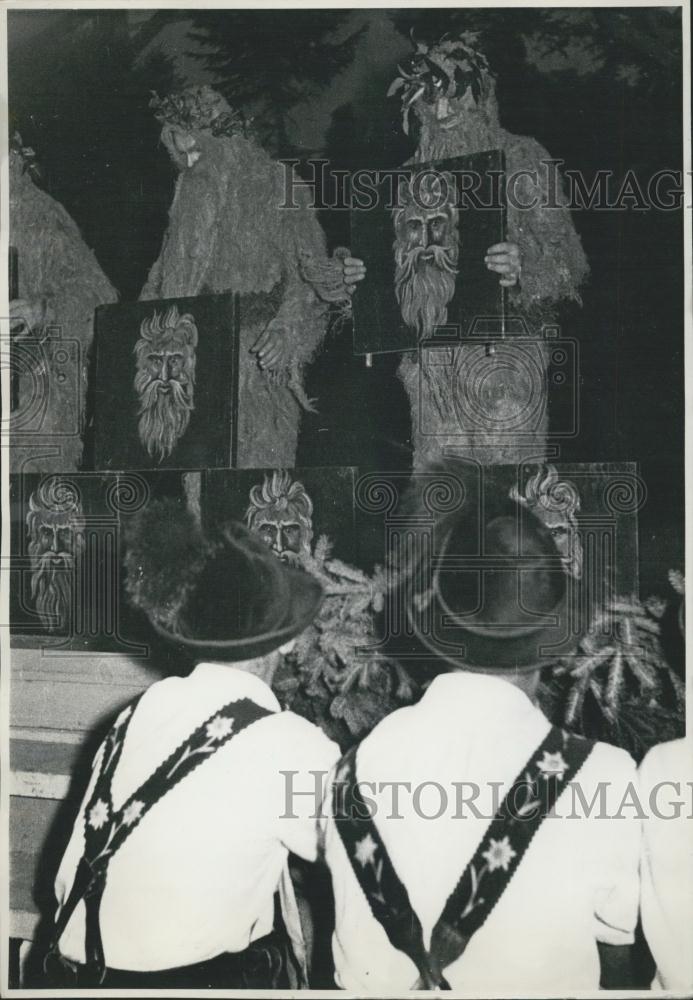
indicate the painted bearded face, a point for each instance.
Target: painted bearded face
{"x":165,"y":380}
{"x":566,"y":540}
{"x":556,"y":503}
{"x":281,"y":513}
{"x":56,"y":540}
{"x":426,"y":249}
{"x":284,"y":535}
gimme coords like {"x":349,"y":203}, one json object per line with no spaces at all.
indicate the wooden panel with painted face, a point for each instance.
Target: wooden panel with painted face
{"x":423,"y":244}
{"x":165,"y":388}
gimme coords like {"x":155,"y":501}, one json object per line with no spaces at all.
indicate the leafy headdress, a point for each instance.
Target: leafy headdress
{"x":446,"y":69}
{"x":198,"y":109}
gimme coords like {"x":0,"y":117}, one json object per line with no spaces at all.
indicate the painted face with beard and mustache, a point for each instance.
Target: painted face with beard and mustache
{"x":284,"y":536}
{"x":555,"y":502}
{"x":56,"y":541}
{"x":426,"y":250}
{"x":165,"y":380}
{"x":281,"y":513}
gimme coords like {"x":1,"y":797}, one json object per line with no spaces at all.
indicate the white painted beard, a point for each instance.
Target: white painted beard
{"x":164,"y":416}
{"x":52,"y":588}
{"x":424,"y":289}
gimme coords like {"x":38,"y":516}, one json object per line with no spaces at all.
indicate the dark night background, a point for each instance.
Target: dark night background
{"x":600,"y":89}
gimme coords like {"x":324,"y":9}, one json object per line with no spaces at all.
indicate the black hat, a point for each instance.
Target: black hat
{"x":225,"y":597}
{"x":497,"y":597}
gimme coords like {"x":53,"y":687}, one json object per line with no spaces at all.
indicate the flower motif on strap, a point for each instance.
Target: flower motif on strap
{"x":98,"y":814}
{"x":132,"y":812}
{"x":552,"y":765}
{"x":219,"y":727}
{"x":499,"y":854}
{"x":365,"y":851}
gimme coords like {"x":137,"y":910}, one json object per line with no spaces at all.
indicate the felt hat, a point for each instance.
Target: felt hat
{"x":495,"y":598}
{"x":219,"y":597}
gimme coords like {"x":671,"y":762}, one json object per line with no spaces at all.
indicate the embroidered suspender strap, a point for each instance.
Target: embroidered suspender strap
{"x":107,"y":829}
{"x":529,"y":800}
{"x":84,"y":882}
{"x":386,"y":895}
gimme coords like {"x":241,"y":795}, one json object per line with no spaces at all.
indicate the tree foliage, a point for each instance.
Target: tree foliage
{"x":80,"y":99}
{"x":265,"y":63}
{"x":634,"y":46}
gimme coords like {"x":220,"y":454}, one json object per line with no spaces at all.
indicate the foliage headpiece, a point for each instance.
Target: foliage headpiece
{"x":197,"y":109}
{"x":445,"y":69}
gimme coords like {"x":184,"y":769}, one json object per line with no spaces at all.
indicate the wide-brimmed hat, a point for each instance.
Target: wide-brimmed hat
{"x":219,"y":597}
{"x":495,"y":597}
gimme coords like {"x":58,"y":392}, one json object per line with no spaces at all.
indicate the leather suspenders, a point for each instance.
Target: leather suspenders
{"x":529,"y":800}
{"x":106,"y":829}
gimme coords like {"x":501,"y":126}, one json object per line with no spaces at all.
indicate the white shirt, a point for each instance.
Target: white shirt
{"x":577,"y":882}
{"x":666,"y":869}
{"x":197,"y":876}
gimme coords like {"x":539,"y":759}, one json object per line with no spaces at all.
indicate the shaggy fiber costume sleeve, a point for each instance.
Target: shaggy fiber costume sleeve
{"x":223,"y":237}
{"x":54,"y":264}
{"x":302,"y":315}
{"x":553,"y":262}
{"x":185,"y":265}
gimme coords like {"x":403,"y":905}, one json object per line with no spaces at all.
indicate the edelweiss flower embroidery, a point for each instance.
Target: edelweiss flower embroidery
{"x":499,"y":854}
{"x":552,"y":765}
{"x":365,"y":850}
{"x":219,"y":727}
{"x":98,"y":814}
{"x":133,"y":812}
